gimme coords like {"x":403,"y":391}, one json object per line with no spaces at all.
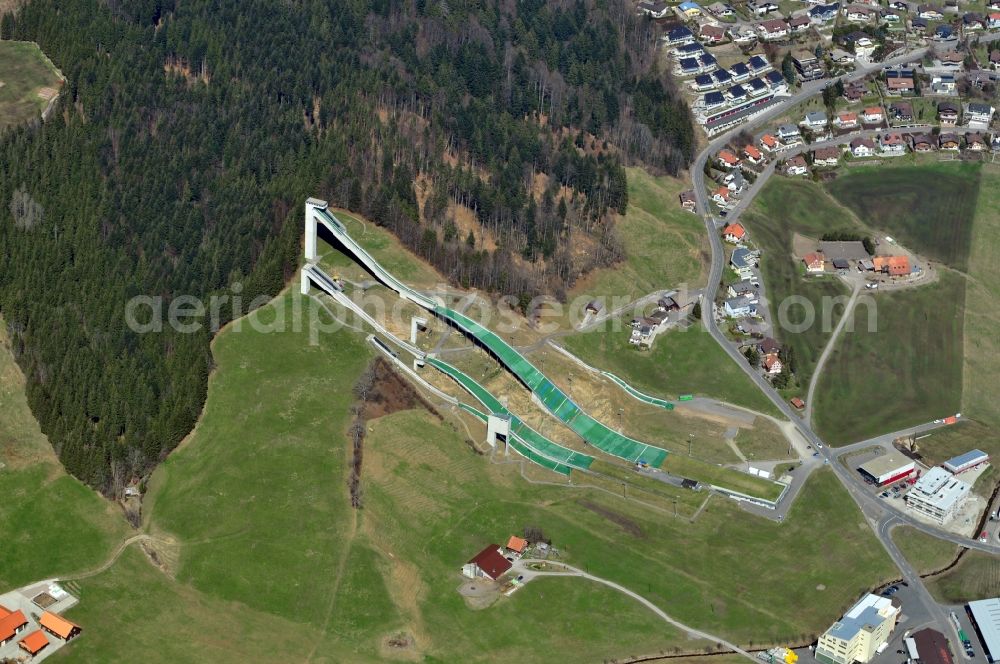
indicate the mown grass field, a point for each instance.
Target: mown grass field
{"x":976,"y":576}
{"x":665,"y":246}
{"x":273,"y":563}
{"x":926,"y":553}
{"x":786,"y":207}
{"x":907,"y":371}
{"x":982,"y":312}
{"x":27,"y":81}
{"x":680,"y":362}
{"x":929,"y":208}
{"x":50,"y":523}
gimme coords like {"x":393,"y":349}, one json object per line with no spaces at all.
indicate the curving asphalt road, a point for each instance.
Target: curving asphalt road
{"x":881,"y":516}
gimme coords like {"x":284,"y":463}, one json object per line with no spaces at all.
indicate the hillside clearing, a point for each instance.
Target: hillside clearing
{"x":28,"y":80}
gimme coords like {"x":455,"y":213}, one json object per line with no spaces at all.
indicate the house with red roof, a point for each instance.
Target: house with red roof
{"x":872,"y":115}
{"x":489,"y":563}
{"x":753,"y":155}
{"x":734,"y":233}
{"x":34,"y":643}
{"x":769,"y":143}
{"x":517,"y":545}
{"x":12,"y":623}
{"x":894,"y":266}
{"x":814,"y":261}
{"x":727,"y":159}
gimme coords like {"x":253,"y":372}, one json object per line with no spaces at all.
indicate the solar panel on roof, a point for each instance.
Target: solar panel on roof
{"x":714,"y":98}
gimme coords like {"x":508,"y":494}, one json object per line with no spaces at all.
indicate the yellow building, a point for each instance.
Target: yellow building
{"x":858,"y":636}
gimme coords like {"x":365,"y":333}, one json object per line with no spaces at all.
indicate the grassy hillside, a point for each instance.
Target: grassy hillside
{"x":907,"y":371}
{"x":976,"y":576}
{"x":982,"y":312}
{"x":680,"y":362}
{"x":783,"y":208}
{"x":926,"y":553}
{"x":27,"y":81}
{"x":50,"y":523}
{"x":929,"y":208}
{"x":258,"y":505}
{"x":665,"y":246}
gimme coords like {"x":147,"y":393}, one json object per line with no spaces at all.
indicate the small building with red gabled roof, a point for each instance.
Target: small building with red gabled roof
{"x":58,"y":626}
{"x":34,"y":643}
{"x":517,"y":544}
{"x":489,"y":563}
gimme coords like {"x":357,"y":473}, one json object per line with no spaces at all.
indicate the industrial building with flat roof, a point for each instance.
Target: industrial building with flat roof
{"x":858,"y":636}
{"x":938,"y":495}
{"x":967,"y":461}
{"x":888,"y":468}
{"x":986,"y":621}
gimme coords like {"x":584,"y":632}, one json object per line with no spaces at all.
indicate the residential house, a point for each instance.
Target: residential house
{"x":975,"y":142}
{"x":488,"y":563}
{"x":12,"y":623}
{"x":769,"y":143}
{"x":892,"y":17}
{"x":775,"y":80}
{"x":771,"y":364}
{"x":740,"y":307}
{"x":799,"y":24}
{"x":517,"y":545}
{"x":894,"y":266}
{"x":742,"y":259}
{"x":689,"y":50}
{"x":899,"y":6}
{"x":690,"y":9}
{"x":807,"y":65}
{"x":721,"y":196}
{"x":720,"y":9}
{"x":872,"y":115}
{"x":789,"y":134}
{"x":34,"y":643}
{"x":993,"y":21}
{"x":978,"y":115}
{"x":737,"y":94}
{"x":703,"y":82}
{"x":951,"y":60}
{"x":761,"y":7}
{"x":667,"y":304}
{"x":995,"y":60}
{"x":814,"y":261}
{"x":744,"y":288}
{"x":841,"y":57}
{"x":727,"y":159}
{"x":929,"y":13}
{"x":712,"y":34}
{"x":948,"y":113}
{"x":768,"y":345}
{"x":722,"y":77}
{"x":853,"y":92}
{"x":862,"y":147}
{"x":859,"y":13}
{"x":892,"y":145}
{"x":796,"y":166}
{"x":943,"y":32}
{"x":753,"y":155}
{"x":688,"y":200}
{"x":919,"y":25}
{"x":735,"y":181}
{"x":900,"y":82}
{"x":678,"y":36}
{"x":653,"y":8}
{"x":828,"y":156}
{"x":824,"y":13}
{"x":923,"y":143}
{"x":980,"y":78}
{"x":814,"y":120}
{"x":943,"y":84}
{"x":756,"y":87}
{"x":860,"y":43}
{"x":772,"y":30}
{"x":949,"y":141}
{"x":995,"y":143}
{"x":846,"y":120}
{"x":901,"y":111}
{"x":740,"y":72}
{"x":734,"y":233}
{"x":973,"y":22}
{"x":713,"y":100}
{"x":758,"y":64}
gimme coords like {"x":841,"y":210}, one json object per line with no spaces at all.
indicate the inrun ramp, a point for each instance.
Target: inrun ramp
{"x":523,"y":450}
{"x":555,"y":400}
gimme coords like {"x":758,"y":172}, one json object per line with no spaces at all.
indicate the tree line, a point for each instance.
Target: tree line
{"x":188,"y":134}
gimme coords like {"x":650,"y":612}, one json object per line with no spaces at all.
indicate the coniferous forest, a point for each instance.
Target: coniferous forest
{"x":188,"y":134}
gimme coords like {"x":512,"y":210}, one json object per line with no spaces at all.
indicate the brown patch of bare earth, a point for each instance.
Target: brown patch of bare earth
{"x":626,"y":524}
